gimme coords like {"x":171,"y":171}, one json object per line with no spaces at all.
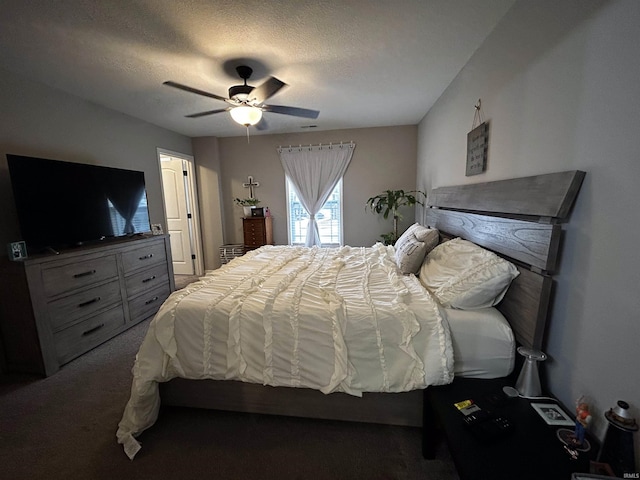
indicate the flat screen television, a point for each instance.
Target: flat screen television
{"x":65,"y":204}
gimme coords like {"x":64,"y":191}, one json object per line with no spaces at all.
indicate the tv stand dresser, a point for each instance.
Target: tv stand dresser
{"x":54,"y":308}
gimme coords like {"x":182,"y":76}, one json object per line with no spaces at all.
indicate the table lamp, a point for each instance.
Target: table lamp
{"x":528,"y":383}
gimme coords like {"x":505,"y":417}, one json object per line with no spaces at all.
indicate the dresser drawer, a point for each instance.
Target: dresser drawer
{"x":257,"y":232}
{"x":253,"y":239}
{"x":54,"y":308}
{"x":81,"y":337}
{"x":253,"y":242}
{"x":147,"y":304}
{"x":147,"y":280}
{"x":69,"y":309}
{"x":254,"y":228}
{"x":64,"y":278}
{"x":143,"y":257}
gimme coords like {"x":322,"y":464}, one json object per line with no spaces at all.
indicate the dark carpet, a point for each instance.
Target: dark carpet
{"x":63,"y":427}
{"x":184,"y":280}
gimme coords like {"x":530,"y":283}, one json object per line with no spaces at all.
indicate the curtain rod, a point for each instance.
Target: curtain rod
{"x":350,"y":144}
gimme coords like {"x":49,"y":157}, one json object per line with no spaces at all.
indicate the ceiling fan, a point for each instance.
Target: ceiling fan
{"x":246,"y":102}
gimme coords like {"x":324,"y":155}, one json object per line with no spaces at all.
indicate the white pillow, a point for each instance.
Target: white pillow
{"x":410,"y":255}
{"x":465,"y":276}
{"x":430,"y":236}
{"x":413,"y":245}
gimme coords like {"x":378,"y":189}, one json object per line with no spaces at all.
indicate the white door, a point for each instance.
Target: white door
{"x":175,"y":202}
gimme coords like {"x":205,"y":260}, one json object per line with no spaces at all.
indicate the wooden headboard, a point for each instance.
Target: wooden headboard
{"x":520,"y":219}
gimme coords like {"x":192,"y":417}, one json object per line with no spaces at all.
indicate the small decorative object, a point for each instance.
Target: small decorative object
{"x":250,"y":184}
{"x":575,"y":439}
{"x":17,"y":251}
{"x":477,"y":143}
{"x":247,"y":204}
{"x":156,"y":229}
{"x":528,"y":383}
{"x":618,"y":449}
{"x":390,"y":202}
{"x":552,"y":414}
{"x":583,"y":419}
{"x":257,"y":212}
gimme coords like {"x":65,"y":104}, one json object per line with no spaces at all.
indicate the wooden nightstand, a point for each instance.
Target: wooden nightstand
{"x":258,"y":231}
{"x":530,"y":451}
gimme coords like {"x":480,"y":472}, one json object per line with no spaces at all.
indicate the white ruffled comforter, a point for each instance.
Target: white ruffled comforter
{"x":340,"y":319}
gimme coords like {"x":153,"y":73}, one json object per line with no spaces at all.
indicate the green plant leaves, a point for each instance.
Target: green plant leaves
{"x":390,"y":201}
{"x":246,"y":202}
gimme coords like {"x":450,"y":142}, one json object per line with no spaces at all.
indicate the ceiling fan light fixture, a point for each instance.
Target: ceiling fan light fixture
{"x":246,"y":115}
{"x":247,"y":102}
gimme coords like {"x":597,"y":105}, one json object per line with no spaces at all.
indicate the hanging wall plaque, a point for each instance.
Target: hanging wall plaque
{"x":477,"y":144}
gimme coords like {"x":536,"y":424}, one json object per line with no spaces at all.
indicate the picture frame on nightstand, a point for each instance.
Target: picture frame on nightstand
{"x":257,"y":212}
{"x":553,"y":414}
{"x":17,"y":251}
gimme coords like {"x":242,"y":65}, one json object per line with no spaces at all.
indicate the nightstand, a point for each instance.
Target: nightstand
{"x":530,"y":451}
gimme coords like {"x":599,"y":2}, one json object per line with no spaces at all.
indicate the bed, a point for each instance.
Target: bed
{"x":271,"y":352}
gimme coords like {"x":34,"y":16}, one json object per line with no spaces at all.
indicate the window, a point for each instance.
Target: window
{"x":329,"y":218}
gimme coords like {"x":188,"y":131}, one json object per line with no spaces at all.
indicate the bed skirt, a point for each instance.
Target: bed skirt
{"x":403,"y":408}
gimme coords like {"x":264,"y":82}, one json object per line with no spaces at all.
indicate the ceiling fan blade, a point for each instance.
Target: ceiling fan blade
{"x":194,"y":90}
{"x":210,"y":112}
{"x":295,"y":111}
{"x":269,"y":88}
{"x":262,"y":124}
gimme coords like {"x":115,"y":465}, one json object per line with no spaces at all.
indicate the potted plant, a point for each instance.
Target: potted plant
{"x":247,"y":204}
{"x":390,"y":202}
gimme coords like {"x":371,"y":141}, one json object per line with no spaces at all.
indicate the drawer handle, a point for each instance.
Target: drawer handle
{"x":146,"y":257}
{"x":84,"y":274}
{"x":89,"y":302}
{"x":92,"y":330}
{"x":152,"y":277}
{"x":151,"y":301}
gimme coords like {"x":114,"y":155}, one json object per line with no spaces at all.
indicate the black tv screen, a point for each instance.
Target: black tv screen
{"x":64,"y":204}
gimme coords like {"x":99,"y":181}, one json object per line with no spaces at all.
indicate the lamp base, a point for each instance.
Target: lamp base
{"x":528,"y":384}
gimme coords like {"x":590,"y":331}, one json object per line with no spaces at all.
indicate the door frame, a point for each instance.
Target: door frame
{"x":195,"y":236}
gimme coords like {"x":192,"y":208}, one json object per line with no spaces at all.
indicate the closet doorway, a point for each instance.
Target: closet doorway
{"x":181,"y":212}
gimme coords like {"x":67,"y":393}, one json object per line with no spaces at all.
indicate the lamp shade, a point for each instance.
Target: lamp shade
{"x":245,"y":115}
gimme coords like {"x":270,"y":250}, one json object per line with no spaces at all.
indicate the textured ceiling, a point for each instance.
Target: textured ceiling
{"x":361,"y":63}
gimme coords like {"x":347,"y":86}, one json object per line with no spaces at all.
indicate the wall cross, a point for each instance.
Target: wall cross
{"x":250,"y":184}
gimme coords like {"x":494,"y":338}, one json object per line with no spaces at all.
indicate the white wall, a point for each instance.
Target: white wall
{"x":208,"y":177}
{"x":39,"y":121}
{"x":560,"y":86}
{"x":384,"y":158}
